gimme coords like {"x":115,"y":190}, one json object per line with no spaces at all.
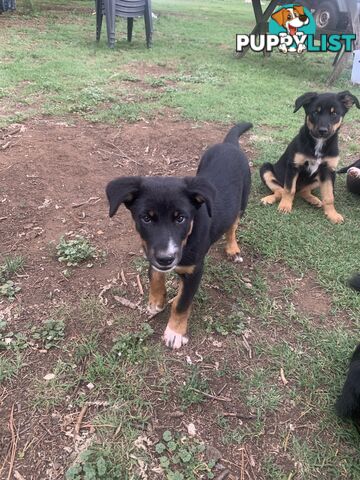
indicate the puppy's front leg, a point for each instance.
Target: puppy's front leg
{"x":327,"y":181}
{"x":174,"y":335}
{"x":157,"y":295}
{"x":288,"y":194}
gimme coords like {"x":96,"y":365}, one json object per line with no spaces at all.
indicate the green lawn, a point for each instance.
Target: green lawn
{"x":51,"y":66}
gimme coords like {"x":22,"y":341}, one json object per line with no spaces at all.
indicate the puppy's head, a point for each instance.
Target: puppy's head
{"x":291,"y":18}
{"x":163,"y":209}
{"x":325,"y":111}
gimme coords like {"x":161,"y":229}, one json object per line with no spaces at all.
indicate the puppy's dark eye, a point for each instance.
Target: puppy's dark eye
{"x":333,"y":114}
{"x":146,"y":218}
{"x":180,"y":219}
{"x":315,"y":114}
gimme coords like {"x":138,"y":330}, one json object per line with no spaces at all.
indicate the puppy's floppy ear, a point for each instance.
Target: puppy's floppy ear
{"x":279,"y":16}
{"x":304,"y":100}
{"x":299,"y":9}
{"x":122,"y":190}
{"x":200,"y":191}
{"x":348,"y":99}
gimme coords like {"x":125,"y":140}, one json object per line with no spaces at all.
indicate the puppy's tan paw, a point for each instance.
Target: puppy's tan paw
{"x":284,"y":207}
{"x":153,"y":309}
{"x":235,"y":257}
{"x":335,"y":217}
{"x":269,"y":200}
{"x":173,"y":339}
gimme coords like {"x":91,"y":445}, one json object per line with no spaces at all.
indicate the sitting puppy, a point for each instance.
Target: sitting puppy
{"x":348,"y":403}
{"x":353,"y":177}
{"x":178,"y":219}
{"x":311,"y":158}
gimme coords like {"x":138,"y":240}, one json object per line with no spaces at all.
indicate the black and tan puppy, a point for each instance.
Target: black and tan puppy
{"x":348,"y":403}
{"x":353,"y":177}
{"x":311,"y":158}
{"x":178,"y":219}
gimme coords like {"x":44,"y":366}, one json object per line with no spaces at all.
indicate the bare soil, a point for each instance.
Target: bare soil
{"x":52,"y":180}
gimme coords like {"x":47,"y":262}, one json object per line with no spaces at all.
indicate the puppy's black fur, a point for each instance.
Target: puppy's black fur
{"x":178,"y":219}
{"x":353,"y":177}
{"x":311,"y":158}
{"x":348,"y":403}
{"x":354,"y":282}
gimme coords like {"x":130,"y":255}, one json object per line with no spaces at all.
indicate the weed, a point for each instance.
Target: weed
{"x":75,"y":251}
{"x":192,"y":390}
{"x":93,"y":465}
{"x":49,"y":334}
{"x":9,"y":367}
{"x":130,"y":346}
{"x":10,"y":340}
{"x":8,"y":288}
{"x":182,"y":458}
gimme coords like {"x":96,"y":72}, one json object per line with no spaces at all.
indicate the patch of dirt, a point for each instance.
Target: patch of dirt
{"x":52,"y":182}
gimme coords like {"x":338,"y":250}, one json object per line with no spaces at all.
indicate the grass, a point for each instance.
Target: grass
{"x":51,"y":66}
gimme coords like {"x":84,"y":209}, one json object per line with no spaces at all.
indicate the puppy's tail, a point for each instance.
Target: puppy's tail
{"x":354,"y":282}
{"x":236,"y":131}
{"x":345,"y":169}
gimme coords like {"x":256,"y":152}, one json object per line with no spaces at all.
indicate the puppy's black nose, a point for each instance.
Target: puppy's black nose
{"x":323,"y":131}
{"x":165,"y":260}
{"x":303,"y":18}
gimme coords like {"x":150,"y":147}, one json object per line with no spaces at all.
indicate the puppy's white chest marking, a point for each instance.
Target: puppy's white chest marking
{"x":318,"y":147}
{"x":313,"y":165}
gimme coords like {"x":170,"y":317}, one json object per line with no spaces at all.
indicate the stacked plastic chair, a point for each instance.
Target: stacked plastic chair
{"x":123,"y":8}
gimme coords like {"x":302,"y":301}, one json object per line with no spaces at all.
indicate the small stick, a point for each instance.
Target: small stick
{"x":126,"y":303}
{"x":220,"y":399}
{"x":3,"y":218}
{"x":282,"y":376}
{"x":242,"y":464}
{"x":13,"y":442}
{"x":91,"y":199}
{"x":139,"y":284}
{"x":80,"y":419}
{"x":123,"y":278}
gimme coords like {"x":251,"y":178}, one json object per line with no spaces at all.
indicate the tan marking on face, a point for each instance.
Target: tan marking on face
{"x":157,"y":294}
{"x":332,"y":109}
{"x":299,"y":159}
{"x":332,"y":162}
{"x":189,"y":269}
{"x":151,"y":213}
{"x":309,"y":124}
{"x":318,"y":109}
{"x":327,"y":195}
{"x":336,"y":126}
{"x":184,"y":242}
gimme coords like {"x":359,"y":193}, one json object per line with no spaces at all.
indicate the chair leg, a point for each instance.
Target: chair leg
{"x":99,"y":19}
{"x":130,"y":23}
{"x":148,"y":27}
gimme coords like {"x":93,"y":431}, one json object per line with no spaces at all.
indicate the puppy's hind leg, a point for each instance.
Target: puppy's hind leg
{"x":306,"y":194}
{"x":268,"y":177}
{"x":232,"y":248}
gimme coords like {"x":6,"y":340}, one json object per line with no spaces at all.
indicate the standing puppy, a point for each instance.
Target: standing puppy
{"x":178,"y":219}
{"x":311,"y":158}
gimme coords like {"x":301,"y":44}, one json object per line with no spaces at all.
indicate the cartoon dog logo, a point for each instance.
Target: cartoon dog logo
{"x":291,"y":19}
